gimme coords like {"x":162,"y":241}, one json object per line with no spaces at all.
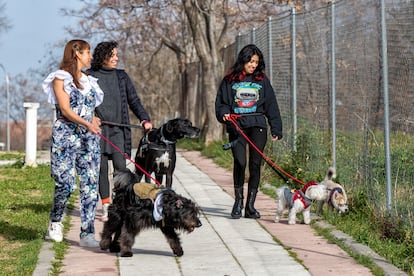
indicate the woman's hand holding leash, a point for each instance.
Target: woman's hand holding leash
{"x":94,"y":127}
{"x":147,"y":125}
{"x":226,"y":117}
{"x":275,"y":138}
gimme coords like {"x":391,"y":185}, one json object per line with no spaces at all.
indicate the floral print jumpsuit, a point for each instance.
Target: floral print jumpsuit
{"x":74,"y":150}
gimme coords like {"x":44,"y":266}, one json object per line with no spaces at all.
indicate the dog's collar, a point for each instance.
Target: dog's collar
{"x":165,"y":140}
{"x":332,"y":191}
{"x":157,"y":212}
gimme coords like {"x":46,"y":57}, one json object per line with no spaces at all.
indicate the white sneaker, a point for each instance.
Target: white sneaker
{"x":55,"y":231}
{"x":105,"y":212}
{"x":88,"y":241}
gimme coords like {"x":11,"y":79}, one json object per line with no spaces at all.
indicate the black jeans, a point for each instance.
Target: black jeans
{"x":118,"y":162}
{"x":258,"y":136}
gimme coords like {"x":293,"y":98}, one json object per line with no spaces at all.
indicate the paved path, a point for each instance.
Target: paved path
{"x":222,"y":246}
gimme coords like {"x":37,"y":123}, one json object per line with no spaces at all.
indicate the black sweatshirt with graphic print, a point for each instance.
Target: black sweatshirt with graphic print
{"x":254,"y":100}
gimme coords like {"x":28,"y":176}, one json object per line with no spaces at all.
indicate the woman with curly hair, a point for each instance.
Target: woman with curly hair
{"x":120,"y":94}
{"x":75,"y":141}
{"x":247,"y":91}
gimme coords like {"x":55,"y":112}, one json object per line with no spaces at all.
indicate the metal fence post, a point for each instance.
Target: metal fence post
{"x":238,"y":47}
{"x":333,"y":83}
{"x":294,"y":81}
{"x":270,"y":58}
{"x":384,"y":53}
{"x":253,"y":36}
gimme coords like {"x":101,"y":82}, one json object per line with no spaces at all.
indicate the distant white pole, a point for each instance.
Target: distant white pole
{"x":31,"y":133}
{"x":7,"y":108}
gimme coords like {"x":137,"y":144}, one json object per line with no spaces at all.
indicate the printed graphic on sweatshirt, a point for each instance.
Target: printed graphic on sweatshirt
{"x":247,"y":95}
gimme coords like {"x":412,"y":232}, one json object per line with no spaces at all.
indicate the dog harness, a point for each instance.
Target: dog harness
{"x":292,"y":195}
{"x":151,"y":191}
{"x":307,"y":185}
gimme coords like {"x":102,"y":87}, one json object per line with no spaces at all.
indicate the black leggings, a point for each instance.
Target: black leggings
{"x":258,"y":136}
{"x":118,"y":162}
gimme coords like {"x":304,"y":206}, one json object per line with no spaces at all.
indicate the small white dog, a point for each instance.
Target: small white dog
{"x":336,"y":199}
{"x":299,"y":200}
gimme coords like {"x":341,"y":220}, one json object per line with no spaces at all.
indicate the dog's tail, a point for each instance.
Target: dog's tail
{"x":330,"y":173}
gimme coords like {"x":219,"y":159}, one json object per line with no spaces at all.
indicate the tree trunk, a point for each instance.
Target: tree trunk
{"x":201,"y":16}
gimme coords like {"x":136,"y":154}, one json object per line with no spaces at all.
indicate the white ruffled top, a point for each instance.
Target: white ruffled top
{"x":88,"y":82}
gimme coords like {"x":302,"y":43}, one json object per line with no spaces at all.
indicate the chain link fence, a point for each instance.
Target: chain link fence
{"x":358,"y":121}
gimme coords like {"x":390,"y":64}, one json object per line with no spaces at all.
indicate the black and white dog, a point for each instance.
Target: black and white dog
{"x":139,"y":206}
{"x":157,"y":150}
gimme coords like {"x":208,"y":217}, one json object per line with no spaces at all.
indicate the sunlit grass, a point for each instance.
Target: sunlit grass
{"x":25,"y":201}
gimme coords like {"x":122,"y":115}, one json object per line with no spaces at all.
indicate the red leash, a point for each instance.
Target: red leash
{"x":233,"y":118}
{"x":129,"y":159}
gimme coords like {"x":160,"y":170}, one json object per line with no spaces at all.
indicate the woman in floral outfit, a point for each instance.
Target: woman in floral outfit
{"x":75,"y":145}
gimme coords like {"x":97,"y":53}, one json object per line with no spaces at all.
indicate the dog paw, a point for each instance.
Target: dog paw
{"x":127,"y":254}
{"x":292,"y":222}
{"x":178,"y":252}
{"x":104,"y":244}
{"x":115,"y":248}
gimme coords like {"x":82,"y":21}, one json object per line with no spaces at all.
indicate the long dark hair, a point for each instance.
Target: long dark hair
{"x":237,"y":73}
{"x":69,"y":61}
{"x":102,"y":52}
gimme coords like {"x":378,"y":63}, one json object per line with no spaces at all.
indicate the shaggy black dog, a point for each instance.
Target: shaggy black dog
{"x":130,"y":213}
{"x":157,"y":152}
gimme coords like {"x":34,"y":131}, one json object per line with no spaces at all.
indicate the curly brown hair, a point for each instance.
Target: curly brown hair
{"x":101,"y":53}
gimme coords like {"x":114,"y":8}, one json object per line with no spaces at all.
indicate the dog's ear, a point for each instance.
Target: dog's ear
{"x":339,"y":190}
{"x":338,"y":193}
{"x":179,"y":204}
{"x":169,"y":127}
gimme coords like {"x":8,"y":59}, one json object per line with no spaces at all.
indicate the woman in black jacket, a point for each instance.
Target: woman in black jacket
{"x":120,"y":96}
{"x":247,"y":91}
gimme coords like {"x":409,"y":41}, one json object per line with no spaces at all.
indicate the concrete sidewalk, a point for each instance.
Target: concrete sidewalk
{"x":222,"y":246}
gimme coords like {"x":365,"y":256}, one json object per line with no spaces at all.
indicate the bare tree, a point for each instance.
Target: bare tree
{"x":161,"y":39}
{"x":4,"y":21}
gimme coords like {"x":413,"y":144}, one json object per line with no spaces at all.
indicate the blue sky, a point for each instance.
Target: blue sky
{"x":37,"y":24}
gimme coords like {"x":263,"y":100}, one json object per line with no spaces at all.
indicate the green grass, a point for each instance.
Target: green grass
{"x":25,"y":202}
{"x":11,"y":156}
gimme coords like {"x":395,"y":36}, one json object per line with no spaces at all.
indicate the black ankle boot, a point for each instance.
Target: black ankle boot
{"x":250,"y":211}
{"x":236,"y":212}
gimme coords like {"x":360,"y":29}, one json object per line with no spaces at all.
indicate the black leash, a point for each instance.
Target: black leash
{"x":120,"y":125}
{"x":278,"y":173}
